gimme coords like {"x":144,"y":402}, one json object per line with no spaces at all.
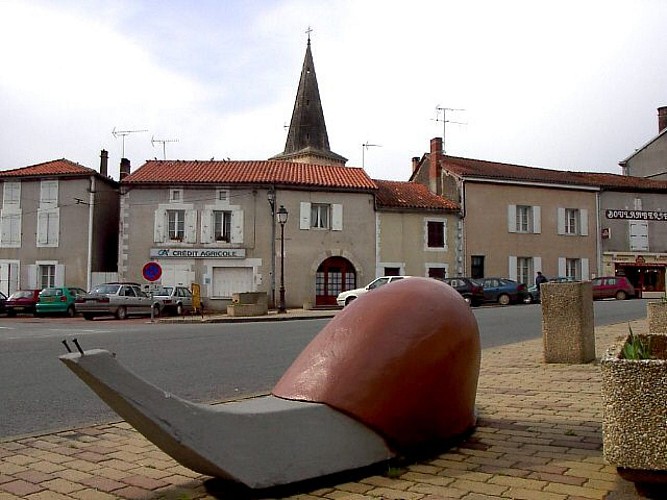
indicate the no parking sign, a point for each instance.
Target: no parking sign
{"x":152,"y":271}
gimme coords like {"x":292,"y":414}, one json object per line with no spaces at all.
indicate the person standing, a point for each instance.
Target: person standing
{"x":539,"y":279}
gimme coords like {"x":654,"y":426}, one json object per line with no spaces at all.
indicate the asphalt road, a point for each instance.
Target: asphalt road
{"x":199,"y":362}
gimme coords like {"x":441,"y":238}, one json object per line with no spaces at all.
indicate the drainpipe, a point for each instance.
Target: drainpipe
{"x":91,"y":206}
{"x":598,"y":236}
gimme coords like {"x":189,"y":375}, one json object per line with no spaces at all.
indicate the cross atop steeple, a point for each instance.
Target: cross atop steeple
{"x":308,"y":32}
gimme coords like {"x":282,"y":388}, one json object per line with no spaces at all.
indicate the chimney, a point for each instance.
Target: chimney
{"x":662,"y":118}
{"x":435,"y":159}
{"x":124,"y":168}
{"x":104,"y":162}
{"x":415,"y":163}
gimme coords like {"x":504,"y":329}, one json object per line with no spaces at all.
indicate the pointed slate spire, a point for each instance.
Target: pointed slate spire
{"x":307,"y":139}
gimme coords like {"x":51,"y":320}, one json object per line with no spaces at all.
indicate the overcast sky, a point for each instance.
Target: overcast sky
{"x":567,"y":85}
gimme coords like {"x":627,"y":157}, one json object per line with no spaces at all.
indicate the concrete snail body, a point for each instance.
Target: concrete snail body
{"x":395,"y":370}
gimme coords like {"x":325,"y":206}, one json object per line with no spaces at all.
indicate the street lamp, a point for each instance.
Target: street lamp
{"x":282,"y":219}
{"x":271,"y":196}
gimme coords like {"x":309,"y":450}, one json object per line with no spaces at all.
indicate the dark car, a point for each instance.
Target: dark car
{"x":534,"y":297}
{"x":472,"y":292}
{"x":612,"y":287}
{"x":22,"y":301}
{"x":502,"y":290}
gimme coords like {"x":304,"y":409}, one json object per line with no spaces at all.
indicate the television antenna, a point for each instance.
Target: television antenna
{"x":164,"y":142}
{"x":122,"y":134}
{"x":440,"y":109}
{"x":364,"y":148}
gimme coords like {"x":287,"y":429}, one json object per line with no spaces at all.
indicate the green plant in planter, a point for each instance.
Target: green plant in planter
{"x":636,"y":348}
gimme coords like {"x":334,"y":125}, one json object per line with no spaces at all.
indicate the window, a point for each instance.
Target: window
{"x":222,"y":224}
{"x":223,"y":195}
{"x":435,"y":234}
{"x":11,"y":194}
{"x":319,"y":215}
{"x":175,"y":195}
{"x":573,"y":269}
{"x":576,"y":268}
{"x":437,"y":272}
{"x":524,"y":271}
{"x":48,"y":227}
{"x":571,"y":221}
{"x":176,"y":224}
{"x":48,"y":194}
{"x":47,"y":275}
{"x":392,"y":271}
{"x":10,"y":229}
{"x":523,"y":219}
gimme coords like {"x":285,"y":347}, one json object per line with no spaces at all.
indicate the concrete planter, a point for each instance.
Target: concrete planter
{"x":656,"y":315}
{"x":634,"y":433}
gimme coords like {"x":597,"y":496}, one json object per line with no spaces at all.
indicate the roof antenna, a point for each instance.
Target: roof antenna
{"x":365,"y":147}
{"x":445,"y":121}
{"x":122,"y":134}
{"x":164,"y":142}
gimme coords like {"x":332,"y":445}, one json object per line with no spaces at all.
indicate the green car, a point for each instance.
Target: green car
{"x":58,"y":300}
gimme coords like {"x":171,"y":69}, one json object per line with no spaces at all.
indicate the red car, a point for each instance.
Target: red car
{"x":612,"y":287}
{"x":22,"y":301}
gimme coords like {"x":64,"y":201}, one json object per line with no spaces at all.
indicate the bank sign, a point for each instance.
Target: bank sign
{"x":198,"y":253}
{"x":636,"y":215}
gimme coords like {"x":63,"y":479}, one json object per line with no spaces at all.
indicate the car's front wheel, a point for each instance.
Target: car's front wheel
{"x":621,"y":295}
{"x":70,"y":312}
{"x":503,"y":299}
{"x":179,"y":309}
{"x":121,"y":313}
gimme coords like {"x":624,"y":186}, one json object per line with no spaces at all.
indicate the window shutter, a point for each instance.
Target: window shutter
{"x":537,"y":264}
{"x":42,"y":227}
{"x":304,"y":215}
{"x":638,"y":235}
{"x":54,"y":227}
{"x":337,"y":217}
{"x":237,"y":227}
{"x":585,"y":271}
{"x":190,"y":226}
{"x":513,"y":267}
{"x":583,"y":222}
{"x":159,"y":225}
{"x":32,"y":276}
{"x":561,"y":220}
{"x":13,"y":277}
{"x":60,"y":275}
{"x":511,"y":218}
{"x":537,"y":219}
{"x":561,"y":266}
{"x":206,"y":226}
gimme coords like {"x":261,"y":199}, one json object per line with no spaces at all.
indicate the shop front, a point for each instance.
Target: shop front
{"x":645,"y":271}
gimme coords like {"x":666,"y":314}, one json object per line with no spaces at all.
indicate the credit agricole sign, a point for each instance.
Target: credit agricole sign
{"x":199,"y":253}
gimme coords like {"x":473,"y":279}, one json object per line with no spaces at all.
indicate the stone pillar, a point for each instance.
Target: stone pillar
{"x":568,"y":326}
{"x":657,"y":317}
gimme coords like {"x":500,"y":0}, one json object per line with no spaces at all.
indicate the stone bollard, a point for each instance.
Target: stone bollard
{"x":657,"y":316}
{"x":568,"y":326}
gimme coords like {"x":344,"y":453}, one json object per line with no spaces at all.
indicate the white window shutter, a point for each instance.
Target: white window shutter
{"x":537,"y":264}
{"x":54,"y":227}
{"x":237,"y":227}
{"x":206,"y":226}
{"x":583,"y":222}
{"x":537,"y":219}
{"x":13,"y":277}
{"x":15,"y":229}
{"x":5,"y":229}
{"x":585,"y":270}
{"x":159,"y":233}
{"x":513,"y":267}
{"x":511,"y":218}
{"x":32,"y":276}
{"x":304,"y":215}
{"x":191,"y":226}
{"x":561,"y":220}
{"x":337,"y":217}
{"x":42,"y":227}
{"x":561,"y":266}
{"x":60,"y":275}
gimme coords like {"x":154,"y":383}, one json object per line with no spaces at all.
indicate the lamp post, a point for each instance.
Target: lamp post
{"x":282,"y":219}
{"x":271,"y":196}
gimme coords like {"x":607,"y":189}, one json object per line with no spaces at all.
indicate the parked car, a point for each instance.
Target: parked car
{"x":173,"y":299}
{"x":612,"y":287}
{"x":534,"y":297}
{"x":472,"y":292}
{"x":502,"y":290}
{"x":58,"y":300}
{"x":3,"y":301}
{"x":344,"y":298}
{"x":116,"y":299}
{"x":22,"y":301}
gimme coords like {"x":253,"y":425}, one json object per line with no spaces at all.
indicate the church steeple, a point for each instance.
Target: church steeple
{"x":307,"y":139}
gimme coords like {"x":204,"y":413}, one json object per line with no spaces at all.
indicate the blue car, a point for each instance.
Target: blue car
{"x":503,"y":291}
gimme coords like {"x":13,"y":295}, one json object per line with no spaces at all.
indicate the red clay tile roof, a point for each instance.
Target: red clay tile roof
{"x":396,"y":194}
{"x":60,"y":168}
{"x":247,"y":172}
{"x":469,"y":168}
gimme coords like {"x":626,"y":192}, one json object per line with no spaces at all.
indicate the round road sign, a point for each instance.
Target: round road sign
{"x":152,"y":271}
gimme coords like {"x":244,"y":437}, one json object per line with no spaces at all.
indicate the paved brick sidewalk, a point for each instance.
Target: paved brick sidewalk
{"x":539,"y":437}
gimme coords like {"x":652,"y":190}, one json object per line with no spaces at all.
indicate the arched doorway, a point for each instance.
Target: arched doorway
{"x":334,"y":275}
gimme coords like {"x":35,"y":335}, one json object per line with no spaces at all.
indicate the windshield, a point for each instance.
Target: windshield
{"x":164,"y":290}
{"x":106,"y":289}
{"x":51,"y":292}
{"x":21,"y":294}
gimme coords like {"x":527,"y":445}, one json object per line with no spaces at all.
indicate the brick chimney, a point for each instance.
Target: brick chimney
{"x":415,"y":163}
{"x":124,"y":168}
{"x":434,"y":169}
{"x":104,"y":163}
{"x":662,"y":118}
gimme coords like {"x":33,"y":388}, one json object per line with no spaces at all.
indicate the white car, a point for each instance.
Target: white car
{"x":345,"y":298}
